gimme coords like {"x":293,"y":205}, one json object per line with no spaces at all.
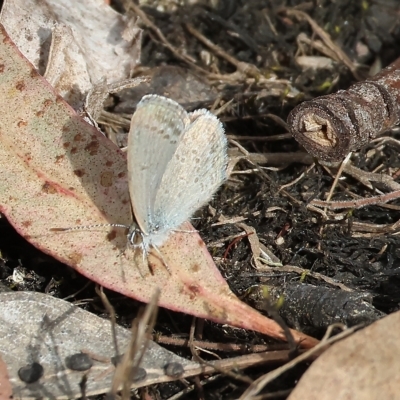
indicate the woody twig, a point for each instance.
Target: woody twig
{"x":329,"y":127}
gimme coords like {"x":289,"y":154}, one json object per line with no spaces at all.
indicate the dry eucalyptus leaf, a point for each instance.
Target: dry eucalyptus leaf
{"x":364,"y":366}
{"x":77,"y":43}
{"x":171,"y":81}
{"x":58,"y":171}
{"x":37,"y":328}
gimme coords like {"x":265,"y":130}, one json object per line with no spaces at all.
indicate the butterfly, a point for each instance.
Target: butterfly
{"x":176,"y":163}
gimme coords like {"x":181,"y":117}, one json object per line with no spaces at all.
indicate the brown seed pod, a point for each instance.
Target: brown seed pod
{"x":331,"y":126}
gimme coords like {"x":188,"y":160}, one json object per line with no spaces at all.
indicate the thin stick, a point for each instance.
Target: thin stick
{"x":359,"y":203}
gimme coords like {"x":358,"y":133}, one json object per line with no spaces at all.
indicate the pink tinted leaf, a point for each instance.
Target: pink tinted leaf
{"x":57,"y":171}
{"x":5,"y":385}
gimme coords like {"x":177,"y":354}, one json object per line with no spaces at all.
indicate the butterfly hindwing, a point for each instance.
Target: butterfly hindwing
{"x":194,"y":173}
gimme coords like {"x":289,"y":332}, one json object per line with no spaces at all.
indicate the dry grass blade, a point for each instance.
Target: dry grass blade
{"x":359,"y":203}
{"x":111,"y":312}
{"x":141,"y":333}
{"x":140,"y":13}
{"x":246,"y":68}
{"x":340,"y":54}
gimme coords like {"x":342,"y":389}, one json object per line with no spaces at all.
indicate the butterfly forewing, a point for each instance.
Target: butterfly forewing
{"x":195,"y":172}
{"x":155,"y":132}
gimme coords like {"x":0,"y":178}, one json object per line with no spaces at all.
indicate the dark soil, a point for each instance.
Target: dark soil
{"x":263,"y":35}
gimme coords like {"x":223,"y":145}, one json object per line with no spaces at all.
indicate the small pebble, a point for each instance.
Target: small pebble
{"x":174,"y":369}
{"x":79,"y":362}
{"x":31,"y":373}
{"x":140,"y":374}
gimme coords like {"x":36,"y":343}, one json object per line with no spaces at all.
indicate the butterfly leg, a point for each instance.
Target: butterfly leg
{"x":161,"y":257}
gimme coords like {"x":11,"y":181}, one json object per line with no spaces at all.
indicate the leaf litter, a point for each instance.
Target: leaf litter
{"x":79,"y":178}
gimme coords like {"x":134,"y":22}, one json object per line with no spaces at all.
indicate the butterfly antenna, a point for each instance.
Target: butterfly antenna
{"x":85,"y":227}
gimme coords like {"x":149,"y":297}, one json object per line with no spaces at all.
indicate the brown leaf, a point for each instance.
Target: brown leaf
{"x":76,"y":43}
{"x":58,"y":171}
{"x":364,"y":366}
